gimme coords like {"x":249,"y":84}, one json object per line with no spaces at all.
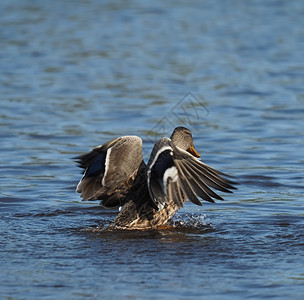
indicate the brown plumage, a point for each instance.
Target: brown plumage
{"x":151,"y":194}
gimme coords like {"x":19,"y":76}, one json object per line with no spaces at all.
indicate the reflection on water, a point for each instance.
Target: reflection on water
{"x":76,"y":74}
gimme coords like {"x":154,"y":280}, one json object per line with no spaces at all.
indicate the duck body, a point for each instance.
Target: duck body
{"x":150,"y":195}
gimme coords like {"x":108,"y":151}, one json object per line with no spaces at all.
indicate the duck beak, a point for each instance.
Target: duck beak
{"x":193,"y":151}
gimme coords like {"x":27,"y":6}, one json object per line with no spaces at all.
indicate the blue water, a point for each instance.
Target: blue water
{"x":75,"y":74}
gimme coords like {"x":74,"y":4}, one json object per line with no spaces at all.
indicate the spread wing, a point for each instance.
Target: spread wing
{"x":109,"y":170}
{"x":174,"y":175}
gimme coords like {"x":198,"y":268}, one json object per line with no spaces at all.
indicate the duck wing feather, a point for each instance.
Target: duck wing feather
{"x":110,"y":170}
{"x":173,"y":175}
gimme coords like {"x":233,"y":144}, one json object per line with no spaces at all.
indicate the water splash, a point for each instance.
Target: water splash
{"x":181,"y":222}
{"x":191,"y":221}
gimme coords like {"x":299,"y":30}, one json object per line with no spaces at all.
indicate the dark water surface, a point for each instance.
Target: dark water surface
{"x":75,"y":74}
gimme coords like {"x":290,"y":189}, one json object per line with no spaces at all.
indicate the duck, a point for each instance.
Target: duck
{"x":149,"y":195}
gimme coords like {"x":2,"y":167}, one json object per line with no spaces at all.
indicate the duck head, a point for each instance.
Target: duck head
{"x":182,"y":138}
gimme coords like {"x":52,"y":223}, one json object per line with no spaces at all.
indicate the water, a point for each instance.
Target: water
{"x":75,"y":74}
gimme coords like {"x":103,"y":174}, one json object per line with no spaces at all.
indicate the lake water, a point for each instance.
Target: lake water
{"x":75,"y":74}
